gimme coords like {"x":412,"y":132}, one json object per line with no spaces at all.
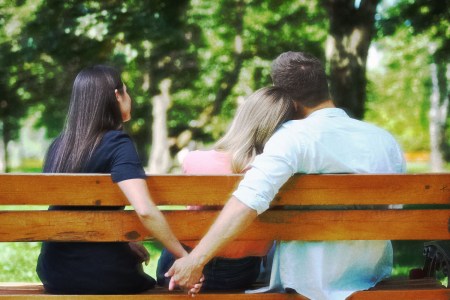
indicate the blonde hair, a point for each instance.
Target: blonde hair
{"x":257,"y":119}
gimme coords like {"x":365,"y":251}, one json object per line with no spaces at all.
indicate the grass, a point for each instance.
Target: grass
{"x":18,"y":261}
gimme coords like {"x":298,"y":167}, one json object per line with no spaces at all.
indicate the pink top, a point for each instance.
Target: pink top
{"x":213,"y":162}
{"x":210,"y":162}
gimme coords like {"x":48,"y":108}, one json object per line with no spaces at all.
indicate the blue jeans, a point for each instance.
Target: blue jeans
{"x":220,"y":273}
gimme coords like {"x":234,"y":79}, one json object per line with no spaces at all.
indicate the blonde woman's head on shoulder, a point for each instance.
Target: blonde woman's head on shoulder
{"x":256,"y":120}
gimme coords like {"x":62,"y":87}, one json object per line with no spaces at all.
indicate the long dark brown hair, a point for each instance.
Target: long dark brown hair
{"x":93,"y":110}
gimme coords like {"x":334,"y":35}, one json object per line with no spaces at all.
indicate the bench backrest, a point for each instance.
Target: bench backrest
{"x":425,"y":214}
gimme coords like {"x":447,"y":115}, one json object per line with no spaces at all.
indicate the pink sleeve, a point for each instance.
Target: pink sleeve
{"x":184,"y":165}
{"x":189,"y":160}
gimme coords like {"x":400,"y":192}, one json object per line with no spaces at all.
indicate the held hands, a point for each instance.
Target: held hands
{"x":186,"y":273}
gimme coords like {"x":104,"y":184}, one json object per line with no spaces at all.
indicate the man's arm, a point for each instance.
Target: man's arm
{"x":268,"y":172}
{"x":234,"y":218}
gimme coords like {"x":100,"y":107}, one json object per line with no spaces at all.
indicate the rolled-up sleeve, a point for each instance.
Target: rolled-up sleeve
{"x":269,"y":171}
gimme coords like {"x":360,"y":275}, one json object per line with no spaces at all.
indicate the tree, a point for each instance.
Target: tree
{"x":147,"y":39}
{"x":350,"y":34}
{"x":240,"y":39}
{"x":159,"y":162}
{"x":227,"y":77}
{"x":15,"y":100}
{"x":213,"y":53}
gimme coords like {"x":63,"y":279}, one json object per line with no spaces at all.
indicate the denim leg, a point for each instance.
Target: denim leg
{"x":231,"y":274}
{"x":220,"y":273}
{"x":165,"y":261}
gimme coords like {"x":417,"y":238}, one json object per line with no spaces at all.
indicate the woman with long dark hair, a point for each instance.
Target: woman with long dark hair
{"x":92,"y":141}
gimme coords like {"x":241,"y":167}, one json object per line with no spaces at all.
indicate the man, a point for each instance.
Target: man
{"x":324,"y":139}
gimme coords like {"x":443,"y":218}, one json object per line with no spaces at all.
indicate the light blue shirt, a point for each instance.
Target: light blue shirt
{"x":327,"y":141}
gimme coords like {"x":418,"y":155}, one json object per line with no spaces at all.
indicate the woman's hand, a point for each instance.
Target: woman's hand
{"x":140,"y":251}
{"x":197,"y":287}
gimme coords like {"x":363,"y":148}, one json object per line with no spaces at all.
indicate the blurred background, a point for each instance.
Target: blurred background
{"x":189,"y":64}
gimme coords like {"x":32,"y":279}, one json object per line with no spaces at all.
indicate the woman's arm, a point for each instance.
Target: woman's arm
{"x":136,"y":191}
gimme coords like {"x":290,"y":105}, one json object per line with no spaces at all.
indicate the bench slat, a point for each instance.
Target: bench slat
{"x":437,"y":294}
{"x":192,"y":225}
{"x":150,"y":296}
{"x":75,"y":189}
{"x":27,"y":291}
{"x":19,"y":291}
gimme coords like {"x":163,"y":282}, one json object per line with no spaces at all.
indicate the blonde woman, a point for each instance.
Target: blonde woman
{"x":238,"y":266}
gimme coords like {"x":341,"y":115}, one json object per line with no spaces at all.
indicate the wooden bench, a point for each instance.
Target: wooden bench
{"x":417,"y":221}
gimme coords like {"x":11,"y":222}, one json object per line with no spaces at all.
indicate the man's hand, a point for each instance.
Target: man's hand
{"x":232,"y":220}
{"x":186,"y":273}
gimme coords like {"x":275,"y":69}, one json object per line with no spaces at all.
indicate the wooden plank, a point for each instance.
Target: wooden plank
{"x":46,"y":189}
{"x":147,"y":296}
{"x":432,"y":294}
{"x":159,"y":297}
{"x":192,"y":225}
{"x":24,"y":291}
{"x":402,"y":283}
{"x":347,"y":189}
{"x":34,"y":291}
{"x":350,"y":189}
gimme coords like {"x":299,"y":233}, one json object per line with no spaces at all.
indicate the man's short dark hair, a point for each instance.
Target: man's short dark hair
{"x":302,"y":76}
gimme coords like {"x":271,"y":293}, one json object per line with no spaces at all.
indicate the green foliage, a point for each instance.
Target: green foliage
{"x":147,"y":39}
{"x":411,"y":35}
{"x":264,"y":29}
{"x":398,"y":93}
{"x":19,"y":261}
{"x":15,"y":99}
{"x":431,"y":18}
{"x":214,"y":52}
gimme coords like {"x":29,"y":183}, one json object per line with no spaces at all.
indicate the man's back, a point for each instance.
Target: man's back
{"x":327,"y":141}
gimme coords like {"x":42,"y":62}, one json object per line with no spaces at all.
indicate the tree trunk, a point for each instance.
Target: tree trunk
{"x":6,"y":134}
{"x":445,"y":96}
{"x":350,"y":33}
{"x":3,"y":155}
{"x":159,"y":162}
{"x":439,"y":104}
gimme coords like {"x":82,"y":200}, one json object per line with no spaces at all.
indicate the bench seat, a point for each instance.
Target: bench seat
{"x":420,"y":289}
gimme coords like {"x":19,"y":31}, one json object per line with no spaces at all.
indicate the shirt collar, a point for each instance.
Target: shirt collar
{"x":328,"y":112}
